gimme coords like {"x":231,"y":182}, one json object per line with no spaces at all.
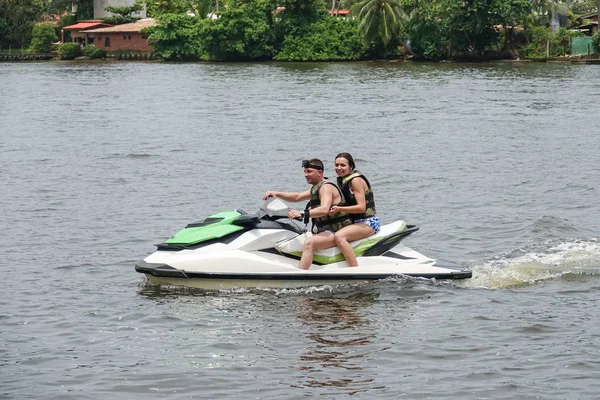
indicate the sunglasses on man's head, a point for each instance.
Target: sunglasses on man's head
{"x":307,"y":164}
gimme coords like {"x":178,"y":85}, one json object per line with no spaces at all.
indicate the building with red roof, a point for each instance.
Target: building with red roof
{"x":74,"y":32}
{"x":121,"y":37}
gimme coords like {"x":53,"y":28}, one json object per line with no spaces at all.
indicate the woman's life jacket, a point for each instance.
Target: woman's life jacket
{"x":328,"y":222}
{"x":345,"y":185}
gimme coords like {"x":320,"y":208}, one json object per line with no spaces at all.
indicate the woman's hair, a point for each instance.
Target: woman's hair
{"x":348,"y":157}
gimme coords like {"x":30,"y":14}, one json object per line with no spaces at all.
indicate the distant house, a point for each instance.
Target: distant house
{"x":74,"y":33}
{"x":590,"y":28}
{"x":335,"y":13}
{"x":339,"y":13}
{"x":122,"y":37}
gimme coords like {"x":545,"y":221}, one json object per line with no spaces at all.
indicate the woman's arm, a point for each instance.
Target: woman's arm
{"x":358,"y":187}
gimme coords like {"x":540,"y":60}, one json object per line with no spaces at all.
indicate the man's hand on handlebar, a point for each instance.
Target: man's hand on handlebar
{"x":268,"y":195}
{"x":293,"y":214}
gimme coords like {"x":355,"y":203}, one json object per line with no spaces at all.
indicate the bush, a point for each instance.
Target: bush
{"x":240,"y":33}
{"x":175,"y":38}
{"x":42,"y":37}
{"x":537,"y":38}
{"x":93,"y":53}
{"x":596,"y":41}
{"x":69,"y":51}
{"x":327,"y":39}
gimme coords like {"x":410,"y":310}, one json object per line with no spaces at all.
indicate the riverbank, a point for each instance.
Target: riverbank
{"x":591,"y":59}
{"x":25,"y":57}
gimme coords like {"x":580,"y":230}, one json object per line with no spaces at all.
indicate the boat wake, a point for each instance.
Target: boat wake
{"x":552,"y":259}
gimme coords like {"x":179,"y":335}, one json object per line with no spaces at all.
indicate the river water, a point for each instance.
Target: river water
{"x":497,"y":163}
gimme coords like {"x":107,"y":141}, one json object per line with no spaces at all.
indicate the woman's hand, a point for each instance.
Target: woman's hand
{"x":334,"y":210}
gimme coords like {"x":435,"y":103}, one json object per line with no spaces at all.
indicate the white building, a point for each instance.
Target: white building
{"x":100,"y":5}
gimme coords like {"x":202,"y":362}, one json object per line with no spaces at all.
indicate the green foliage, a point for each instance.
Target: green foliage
{"x":93,"y":53}
{"x":453,"y":29}
{"x":428,"y":29}
{"x":542,"y":38}
{"x":123,"y":15}
{"x":42,"y":38}
{"x":17,"y":19}
{"x":560,"y":42}
{"x":85,"y":8}
{"x":295,"y":15}
{"x":66,"y":20}
{"x":241,"y":32}
{"x":200,"y":8}
{"x":596,"y":41}
{"x":176,"y":37}
{"x":119,"y":19}
{"x":69,"y":51}
{"x":380,"y":20}
{"x":327,"y":39}
{"x":126,"y":11}
{"x":156,"y":8}
{"x":584,"y":6}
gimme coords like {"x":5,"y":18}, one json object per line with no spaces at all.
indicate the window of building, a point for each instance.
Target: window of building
{"x":124,"y":37}
{"x":144,"y":37}
{"x":106,"y":42}
{"x":129,"y":37}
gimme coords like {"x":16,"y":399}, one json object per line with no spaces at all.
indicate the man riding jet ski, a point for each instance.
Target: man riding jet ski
{"x":323,"y":196}
{"x":236,"y":249}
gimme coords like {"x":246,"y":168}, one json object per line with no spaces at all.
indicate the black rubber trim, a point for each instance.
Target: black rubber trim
{"x":207,"y":221}
{"x":311,"y":277}
{"x":389,"y":241}
{"x":396,"y":255}
{"x":159,"y":270}
{"x":163,"y":270}
{"x":447,"y":264}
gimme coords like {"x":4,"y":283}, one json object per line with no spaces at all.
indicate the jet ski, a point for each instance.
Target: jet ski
{"x":235,"y":249}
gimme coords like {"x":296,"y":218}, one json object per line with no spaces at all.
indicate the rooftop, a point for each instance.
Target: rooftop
{"x":85,"y":25}
{"x":131,"y":27}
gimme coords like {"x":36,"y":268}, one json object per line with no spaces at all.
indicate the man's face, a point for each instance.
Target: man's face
{"x":313,"y":176}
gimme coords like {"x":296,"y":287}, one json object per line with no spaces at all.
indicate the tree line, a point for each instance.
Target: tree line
{"x":305,"y":29}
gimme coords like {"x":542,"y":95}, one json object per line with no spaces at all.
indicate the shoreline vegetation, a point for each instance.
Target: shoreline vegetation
{"x":315,"y":30}
{"x":7,"y":57}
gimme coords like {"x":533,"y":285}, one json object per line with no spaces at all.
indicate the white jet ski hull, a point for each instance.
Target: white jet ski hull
{"x":252,"y":269}
{"x":235,"y":249}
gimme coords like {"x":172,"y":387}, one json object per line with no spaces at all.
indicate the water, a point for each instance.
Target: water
{"x":497,"y":163}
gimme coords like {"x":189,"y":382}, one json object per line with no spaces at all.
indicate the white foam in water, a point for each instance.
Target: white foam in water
{"x":548,"y":261}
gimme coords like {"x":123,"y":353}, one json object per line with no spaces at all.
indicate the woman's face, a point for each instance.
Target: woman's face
{"x":342,"y":167}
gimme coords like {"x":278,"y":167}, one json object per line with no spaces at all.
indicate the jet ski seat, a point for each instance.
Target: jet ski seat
{"x":388,"y":236}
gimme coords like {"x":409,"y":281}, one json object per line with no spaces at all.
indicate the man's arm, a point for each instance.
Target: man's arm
{"x":326,"y":193}
{"x":293,"y":197}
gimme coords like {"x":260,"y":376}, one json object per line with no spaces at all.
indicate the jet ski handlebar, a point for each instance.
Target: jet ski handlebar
{"x":275,"y":208}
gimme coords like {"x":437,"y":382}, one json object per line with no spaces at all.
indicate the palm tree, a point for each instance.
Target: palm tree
{"x":379,"y":20}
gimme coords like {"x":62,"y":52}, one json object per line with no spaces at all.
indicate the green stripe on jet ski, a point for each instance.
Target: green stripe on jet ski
{"x":359,"y":250}
{"x":222,"y":226}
